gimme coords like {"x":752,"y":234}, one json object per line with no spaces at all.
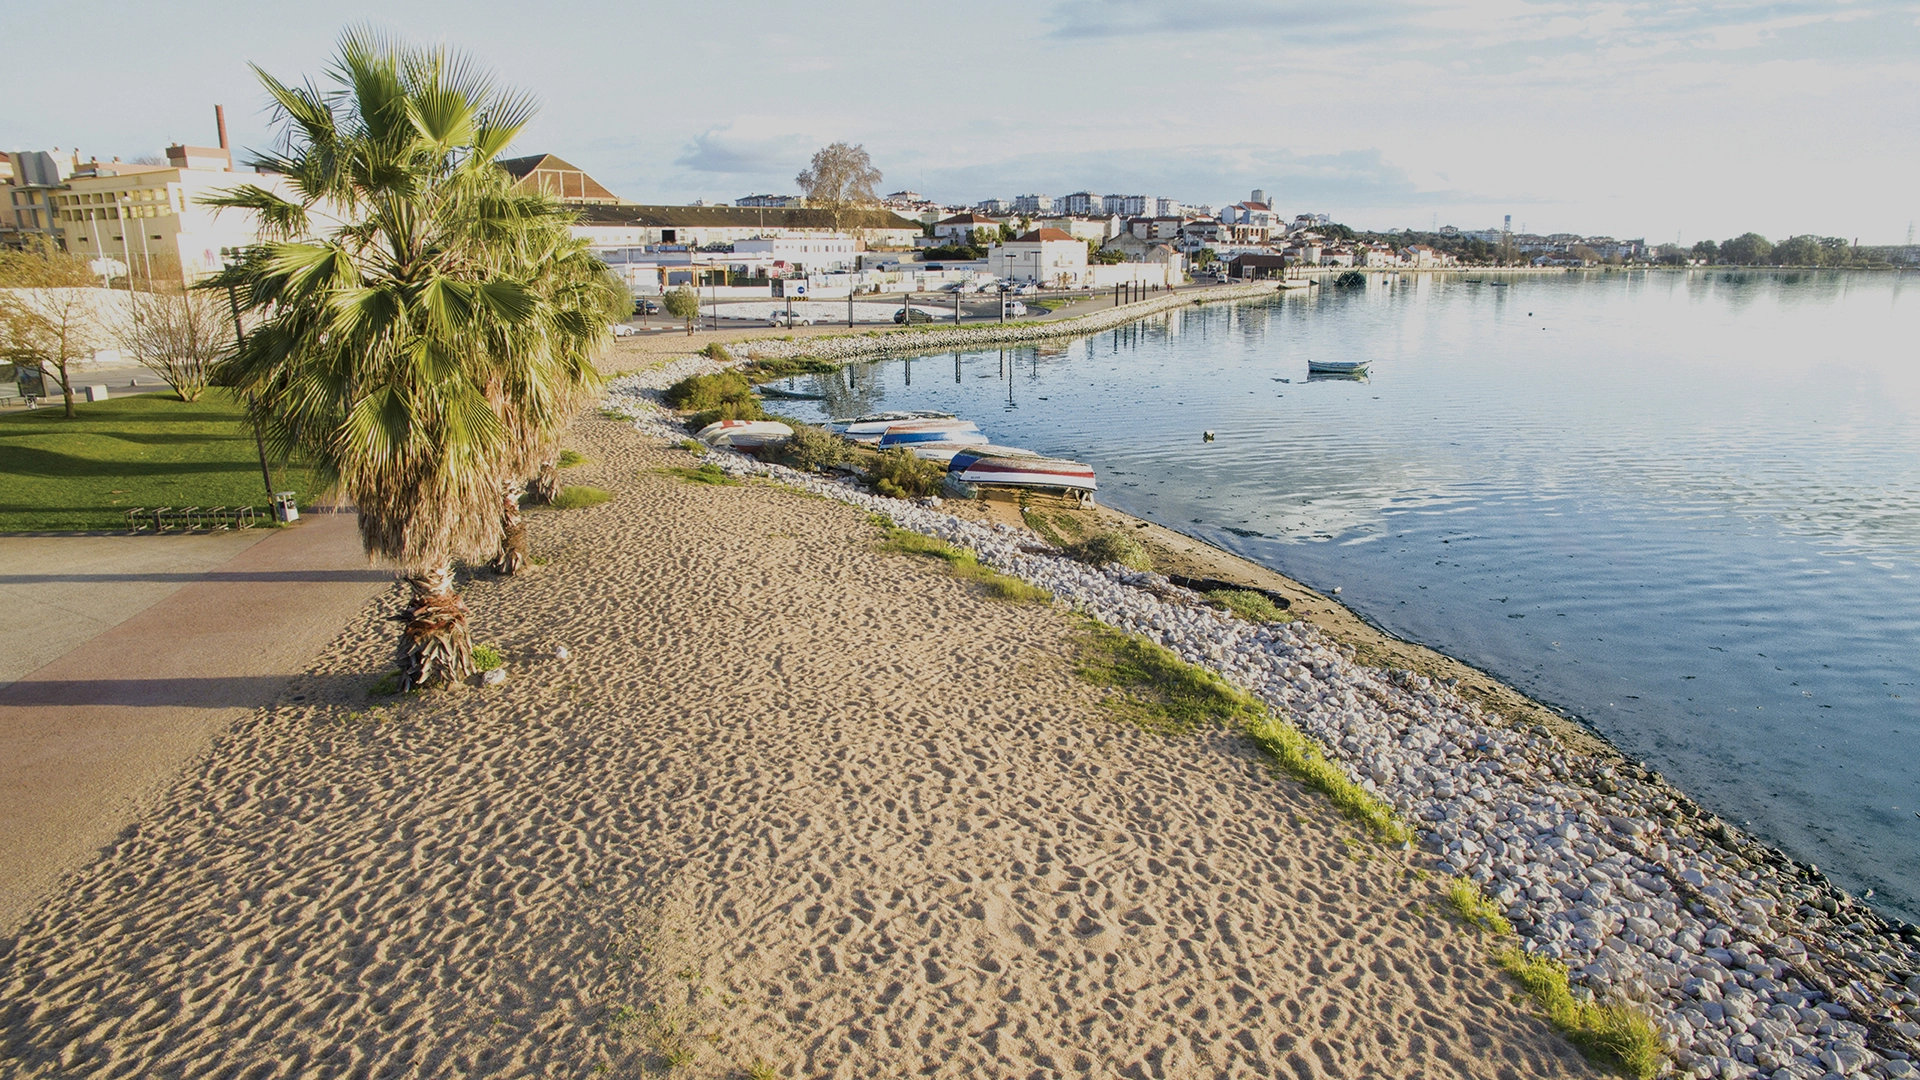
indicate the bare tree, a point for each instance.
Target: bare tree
{"x":841,"y":181}
{"x":49,"y":313}
{"x":178,"y":336}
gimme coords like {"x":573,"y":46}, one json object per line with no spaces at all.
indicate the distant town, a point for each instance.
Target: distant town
{"x":1078,"y":240}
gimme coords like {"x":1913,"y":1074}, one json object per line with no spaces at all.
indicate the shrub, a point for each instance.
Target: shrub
{"x":713,"y":350}
{"x":570,"y":458}
{"x":1614,"y":1035}
{"x":486,"y":658}
{"x":812,"y":448}
{"x":576,"y":496}
{"x":761,"y":370}
{"x":1112,"y":547}
{"x":901,"y":475}
{"x":1248,"y":605}
{"x":692,"y":446}
{"x":708,"y":391}
{"x":747,"y":409}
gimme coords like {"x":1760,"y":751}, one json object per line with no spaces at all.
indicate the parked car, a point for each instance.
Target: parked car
{"x":905,"y":315}
{"x":782,"y":318}
{"x":1026,"y":290}
{"x":1015,"y":308}
{"x":645,"y":307}
{"x":621,"y":329}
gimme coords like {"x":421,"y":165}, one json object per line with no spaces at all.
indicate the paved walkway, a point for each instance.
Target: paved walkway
{"x":145,"y":650}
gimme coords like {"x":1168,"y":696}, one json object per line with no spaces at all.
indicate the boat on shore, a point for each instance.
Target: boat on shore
{"x":909,"y":432}
{"x":1337,"y":367}
{"x":872,"y":426}
{"x":989,"y":470}
{"x":944,"y":452}
{"x":744,"y":434}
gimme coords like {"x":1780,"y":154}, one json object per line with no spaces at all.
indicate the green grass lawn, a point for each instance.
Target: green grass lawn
{"x":150,"y":450}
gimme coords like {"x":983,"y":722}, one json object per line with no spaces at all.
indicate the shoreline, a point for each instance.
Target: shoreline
{"x":1807,"y":941}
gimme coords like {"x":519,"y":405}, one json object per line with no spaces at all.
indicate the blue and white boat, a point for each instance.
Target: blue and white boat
{"x":909,"y":432}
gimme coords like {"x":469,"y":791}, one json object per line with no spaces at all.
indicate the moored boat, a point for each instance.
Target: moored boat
{"x":973,"y":467}
{"x":744,"y":434}
{"x":1337,"y":367}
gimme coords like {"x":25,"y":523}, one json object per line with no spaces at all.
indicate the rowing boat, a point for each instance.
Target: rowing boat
{"x":974,"y":467}
{"x":1337,"y":367}
{"x":868,"y":428}
{"x":944,"y":451}
{"x":918,"y":431}
{"x":744,"y":434}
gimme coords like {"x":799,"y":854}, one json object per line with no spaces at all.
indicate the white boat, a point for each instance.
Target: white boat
{"x":1337,"y":367}
{"x":908,"y":432}
{"x":869,"y":428}
{"x":1037,"y":472}
{"x":944,"y":450}
{"x":744,"y":434}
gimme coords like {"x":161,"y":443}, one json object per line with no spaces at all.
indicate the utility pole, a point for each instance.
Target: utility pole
{"x":259,"y":444}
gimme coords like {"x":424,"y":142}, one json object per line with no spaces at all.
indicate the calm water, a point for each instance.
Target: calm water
{"x":1682,"y":507}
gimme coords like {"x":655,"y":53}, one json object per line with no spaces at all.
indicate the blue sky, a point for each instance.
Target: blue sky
{"x":1661,"y":120}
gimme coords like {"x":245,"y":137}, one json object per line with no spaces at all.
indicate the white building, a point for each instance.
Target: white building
{"x":816,"y":252}
{"x":1129,"y":205}
{"x":959,"y":228}
{"x":1082,"y":204}
{"x":1046,"y":256}
{"x":1033,"y":204}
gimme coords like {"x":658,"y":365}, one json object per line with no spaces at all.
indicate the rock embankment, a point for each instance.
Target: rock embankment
{"x":1751,"y":965}
{"x":900,"y":342}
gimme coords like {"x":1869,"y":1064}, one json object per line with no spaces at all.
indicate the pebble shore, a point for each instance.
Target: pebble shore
{"x":1750,"y":964}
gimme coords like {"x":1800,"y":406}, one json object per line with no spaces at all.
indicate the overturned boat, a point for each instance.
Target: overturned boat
{"x":1000,"y":470}
{"x":744,"y":434}
{"x":908,"y":432}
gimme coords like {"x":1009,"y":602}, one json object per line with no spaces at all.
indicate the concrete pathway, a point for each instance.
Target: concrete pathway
{"x":156,"y":647}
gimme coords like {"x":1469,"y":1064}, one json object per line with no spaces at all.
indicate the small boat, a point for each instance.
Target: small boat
{"x":789,"y":395}
{"x":919,"y":431}
{"x":873,"y":425}
{"x":744,"y":434}
{"x":1337,"y":367}
{"x":973,"y":467}
{"x":944,"y":451}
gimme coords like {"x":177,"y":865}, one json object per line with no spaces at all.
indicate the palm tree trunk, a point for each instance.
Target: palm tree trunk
{"x":436,"y":650}
{"x":513,"y":531}
{"x":545,"y":485}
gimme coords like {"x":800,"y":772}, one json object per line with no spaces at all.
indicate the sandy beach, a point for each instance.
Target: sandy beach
{"x":789,"y":801}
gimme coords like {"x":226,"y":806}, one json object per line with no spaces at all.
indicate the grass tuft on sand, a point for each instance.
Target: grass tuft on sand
{"x":571,"y":458}
{"x":1302,"y":759}
{"x":1112,"y":547}
{"x":1158,"y":690}
{"x":1248,"y":605}
{"x":961,"y":563}
{"x":702,"y":474}
{"x":578,"y":496}
{"x":1472,"y":906}
{"x":486,"y":658}
{"x":1618,"y":1037}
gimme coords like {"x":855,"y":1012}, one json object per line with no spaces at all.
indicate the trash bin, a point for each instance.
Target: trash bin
{"x":284,"y":507}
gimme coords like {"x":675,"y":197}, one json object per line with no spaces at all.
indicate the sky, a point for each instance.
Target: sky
{"x":1665,"y":120}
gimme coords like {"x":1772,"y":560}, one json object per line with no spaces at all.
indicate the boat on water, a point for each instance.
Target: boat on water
{"x":871,"y":426}
{"x":973,"y":467}
{"x":744,"y":434}
{"x":1337,"y":367}
{"x":944,"y":451}
{"x":909,"y":432}
{"x":789,"y":395}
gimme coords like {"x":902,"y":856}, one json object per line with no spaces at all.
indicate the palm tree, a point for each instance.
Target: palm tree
{"x":408,"y":341}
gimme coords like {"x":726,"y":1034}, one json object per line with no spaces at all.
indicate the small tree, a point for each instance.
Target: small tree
{"x":682,"y":303}
{"x":840,"y":180}
{"x":178,"y":336}
{"x":51,"y":314}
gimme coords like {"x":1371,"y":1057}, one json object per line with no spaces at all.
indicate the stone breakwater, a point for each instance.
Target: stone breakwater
{"x":1750,"y":965}
{"x":901,"y":342}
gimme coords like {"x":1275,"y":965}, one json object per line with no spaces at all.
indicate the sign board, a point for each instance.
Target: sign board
{"x":32,"y":380}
